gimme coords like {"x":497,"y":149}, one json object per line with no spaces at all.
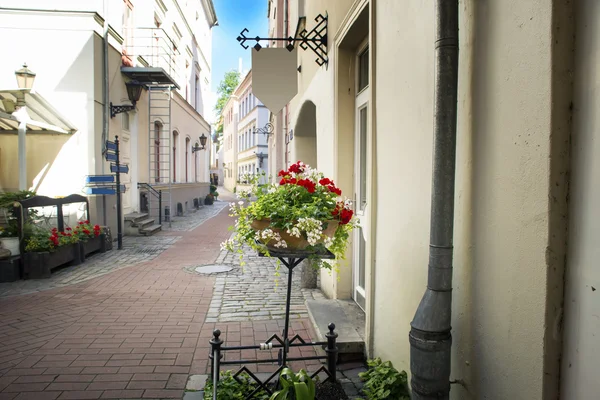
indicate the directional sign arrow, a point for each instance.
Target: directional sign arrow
{"x":111,"y":146}
{"x":111,"y":157}
{"x":99,"y":179}
{"x":122,"y":169}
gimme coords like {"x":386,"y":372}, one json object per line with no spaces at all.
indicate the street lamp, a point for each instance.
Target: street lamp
{"x":134,"y":91}
{"x":196,"y":147}
{"x":25,"y":77}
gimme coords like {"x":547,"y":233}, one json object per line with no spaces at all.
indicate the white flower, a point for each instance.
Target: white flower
{"x":241,"y":203}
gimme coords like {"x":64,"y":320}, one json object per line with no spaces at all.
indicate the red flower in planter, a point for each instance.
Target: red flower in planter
{"x":345,"y":216}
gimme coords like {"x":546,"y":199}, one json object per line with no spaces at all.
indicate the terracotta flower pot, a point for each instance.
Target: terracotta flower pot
{"x":293,"y":243}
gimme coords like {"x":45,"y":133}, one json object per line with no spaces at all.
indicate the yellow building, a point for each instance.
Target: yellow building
{"x":525,"y":181}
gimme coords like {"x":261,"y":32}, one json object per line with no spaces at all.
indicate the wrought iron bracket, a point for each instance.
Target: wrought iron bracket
{"x":114,"y":110}
{"x":315,"y":39}
{"x":265,"y":130}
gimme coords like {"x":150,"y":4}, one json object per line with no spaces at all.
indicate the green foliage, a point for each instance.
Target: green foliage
{"x":7,"y":200}
{"x":302,"y":205}
{"x":298,"y":386}
{"x":230,"y":388}
{"x":224,"y":91}
{"x":213,"y":188}
{"x":383,"y":381}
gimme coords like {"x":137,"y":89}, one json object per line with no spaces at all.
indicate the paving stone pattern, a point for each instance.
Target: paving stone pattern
{"x":254,"y":292}
{"x":136,"y":332}
{"x":135,"y":250}
{"x":194,"y":219}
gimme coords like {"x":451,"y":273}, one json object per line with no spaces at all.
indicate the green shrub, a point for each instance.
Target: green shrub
{"x":298,"y":386}
{"x":383,"y":381}
{"x":213,"y":188}
{"x":230,"y":388}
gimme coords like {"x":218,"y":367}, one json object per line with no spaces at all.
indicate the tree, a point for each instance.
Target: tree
{"x":224,"y":91}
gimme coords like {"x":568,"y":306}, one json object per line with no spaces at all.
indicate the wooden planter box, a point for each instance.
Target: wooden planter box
{"x":10,"y":269}
{"x":95,"y":244}
{"x":39,"y":265}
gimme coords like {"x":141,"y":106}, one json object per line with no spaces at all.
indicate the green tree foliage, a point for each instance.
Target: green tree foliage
{"x":224,"y":91}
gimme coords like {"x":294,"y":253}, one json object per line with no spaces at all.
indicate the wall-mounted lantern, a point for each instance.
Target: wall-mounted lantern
{"x":202,"y":145}
{"x":25,"y":77}
{"x":134,"y":91}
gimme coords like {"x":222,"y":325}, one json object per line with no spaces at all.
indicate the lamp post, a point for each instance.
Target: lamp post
{"x":201,"y":146}
{"x":25,"y":78}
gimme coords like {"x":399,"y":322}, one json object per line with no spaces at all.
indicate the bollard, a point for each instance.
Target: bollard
{"x":215,"y":357}
{"x":331,"y":351}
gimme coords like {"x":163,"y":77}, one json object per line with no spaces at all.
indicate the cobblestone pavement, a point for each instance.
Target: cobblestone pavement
{"x":193,"y":220}
{"x":136,"y":332}
{"x":254,"y":292}
{"x":135,"y":250}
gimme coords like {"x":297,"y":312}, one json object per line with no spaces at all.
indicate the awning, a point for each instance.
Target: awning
{"x":43,"y":117}
{"x":149,"y":76}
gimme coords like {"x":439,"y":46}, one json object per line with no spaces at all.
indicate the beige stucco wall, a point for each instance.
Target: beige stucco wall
{"x":507,"y":259}
{"x":582,"y":293}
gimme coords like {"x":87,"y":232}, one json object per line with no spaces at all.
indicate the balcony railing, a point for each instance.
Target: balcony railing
{"x":155,"y":47}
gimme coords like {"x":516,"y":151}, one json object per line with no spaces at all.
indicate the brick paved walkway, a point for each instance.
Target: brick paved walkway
{"x":135,"y":332}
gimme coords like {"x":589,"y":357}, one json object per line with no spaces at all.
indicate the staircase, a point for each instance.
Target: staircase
{"x":140,"y":224}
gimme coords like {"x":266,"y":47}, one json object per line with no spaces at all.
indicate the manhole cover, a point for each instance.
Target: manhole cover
{"x":213,"y":269}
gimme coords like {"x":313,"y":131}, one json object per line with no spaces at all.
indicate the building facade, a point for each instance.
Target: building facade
{"x":230,"y":143}
{"x":163,"y":45}
{"x":527,"y":141}
{"x":252,"y":154}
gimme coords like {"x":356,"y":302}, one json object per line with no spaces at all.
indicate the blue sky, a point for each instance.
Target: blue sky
{"x":233,"y":16}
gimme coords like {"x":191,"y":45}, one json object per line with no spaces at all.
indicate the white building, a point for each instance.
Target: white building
{"x":230,"y":142}
{"x":84,"y":54}
{"x":252,"y":138}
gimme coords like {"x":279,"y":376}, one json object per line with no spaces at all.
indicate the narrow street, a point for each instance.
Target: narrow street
{"x":138,"y":326}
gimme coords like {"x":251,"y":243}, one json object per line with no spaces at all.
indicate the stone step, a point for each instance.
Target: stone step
{"x":150,"y":230}
{"x":134,"y":217}
{"x":143,"y":223}
{"x":349,"y":322}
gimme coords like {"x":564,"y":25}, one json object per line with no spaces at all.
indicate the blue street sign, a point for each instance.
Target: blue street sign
{"x":99,"y":179}
{"x":111,"y":157}
{"x":122,"y":169}
{"x":107,"y":190}
{"x":111,"y":146}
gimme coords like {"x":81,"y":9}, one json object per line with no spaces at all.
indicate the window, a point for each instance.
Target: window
{"x":157,"y":134}
{"x":127,"y":24}
{"x":197,"y":93}
{"x":125,"y":121}
{"x":187,"y":149}
{"x":175,"y":136}
{"x":363,"y":70}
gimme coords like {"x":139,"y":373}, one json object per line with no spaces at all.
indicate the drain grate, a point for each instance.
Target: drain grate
{"x":212,"y":269}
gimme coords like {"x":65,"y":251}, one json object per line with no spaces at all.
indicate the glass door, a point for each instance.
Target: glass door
{"x":361,"y":144}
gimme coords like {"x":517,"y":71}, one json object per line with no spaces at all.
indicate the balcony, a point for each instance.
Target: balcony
{"x":155,"y":56}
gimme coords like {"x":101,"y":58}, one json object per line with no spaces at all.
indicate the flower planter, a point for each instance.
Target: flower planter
{"x":92,"y":245}
{"x":12,"y":244}
{"x":293,"y":242}
{"x":9,"y":269}
{"x":37,"y":265}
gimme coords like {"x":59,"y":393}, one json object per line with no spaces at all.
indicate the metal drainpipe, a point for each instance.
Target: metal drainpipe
{"x":105,"y":98}
{"x":430,"y":337}
{"x":285,"y":34}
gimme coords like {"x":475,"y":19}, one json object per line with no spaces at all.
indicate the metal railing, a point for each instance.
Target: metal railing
{"x":155,"y":193}
{"x":290,"y":259}
{"x":156,"y":47}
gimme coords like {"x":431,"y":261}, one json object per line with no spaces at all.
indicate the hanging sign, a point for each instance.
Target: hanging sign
{"x":274,"y":76}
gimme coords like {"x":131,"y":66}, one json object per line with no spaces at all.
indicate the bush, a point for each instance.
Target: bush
{"x":383,"y":381}
{"x":231,"y":389}
{"x":213,"y":188}
{"x":209,"y":199}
